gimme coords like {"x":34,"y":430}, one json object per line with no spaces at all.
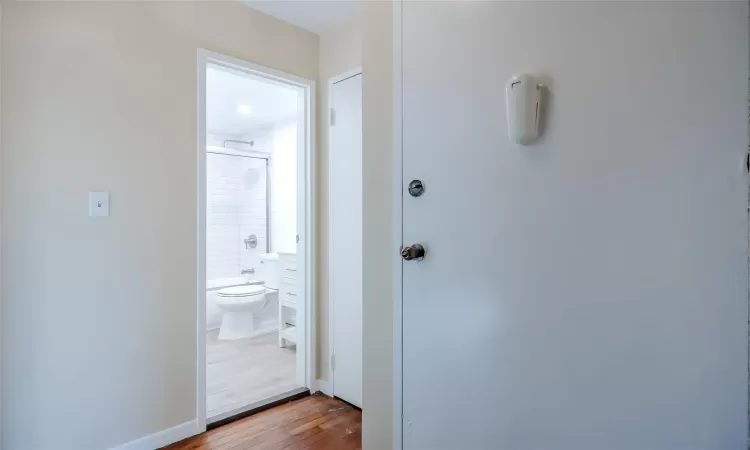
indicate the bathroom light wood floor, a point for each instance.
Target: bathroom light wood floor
{"x":245,"y":371}
{"x":312,"y":423}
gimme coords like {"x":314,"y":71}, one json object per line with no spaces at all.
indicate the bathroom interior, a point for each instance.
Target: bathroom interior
{"x":251,"y":229}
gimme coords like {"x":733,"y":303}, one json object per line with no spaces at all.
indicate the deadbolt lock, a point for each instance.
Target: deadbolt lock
{"x":413,"y":252}
{"x":416,"y":188}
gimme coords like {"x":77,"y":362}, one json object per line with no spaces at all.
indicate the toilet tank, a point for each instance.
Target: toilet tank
{"x":268,"y":270}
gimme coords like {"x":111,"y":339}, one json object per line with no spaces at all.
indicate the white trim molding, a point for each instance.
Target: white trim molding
{"x":200,"y":401}
{"x":323,"y":386}
{"x":306,"y":251}
{"x":162,"y":438}
{"x":341,"y":77}
{"x":331,"y":302}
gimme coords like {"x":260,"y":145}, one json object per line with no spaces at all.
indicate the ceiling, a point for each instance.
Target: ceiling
{"x":313,"y":15}
{"x":227,"y":91}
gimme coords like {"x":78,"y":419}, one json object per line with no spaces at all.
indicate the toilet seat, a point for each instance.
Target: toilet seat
{"x":241,"y":291}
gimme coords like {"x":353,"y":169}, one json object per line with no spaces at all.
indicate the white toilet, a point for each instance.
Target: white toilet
{"x":242,"y":304}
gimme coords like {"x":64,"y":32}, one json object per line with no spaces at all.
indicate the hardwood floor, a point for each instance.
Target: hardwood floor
{"x":317,"y":422}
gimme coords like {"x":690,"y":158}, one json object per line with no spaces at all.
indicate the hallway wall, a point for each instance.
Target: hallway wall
{"x":99,"y":314}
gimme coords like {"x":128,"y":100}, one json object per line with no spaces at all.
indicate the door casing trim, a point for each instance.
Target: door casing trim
{"x":306,"y":218}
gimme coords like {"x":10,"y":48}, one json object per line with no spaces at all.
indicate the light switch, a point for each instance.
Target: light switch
{"x":98,"y":204}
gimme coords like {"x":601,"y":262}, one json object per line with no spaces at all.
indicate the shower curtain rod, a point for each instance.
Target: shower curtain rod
{"x":250,"y":143}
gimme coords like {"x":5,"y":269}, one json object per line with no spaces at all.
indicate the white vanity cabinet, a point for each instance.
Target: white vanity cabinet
{"x":287,"y":298}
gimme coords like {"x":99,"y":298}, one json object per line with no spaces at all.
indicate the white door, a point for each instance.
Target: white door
{"x":345,"y":174}
{"x":588,"y":291}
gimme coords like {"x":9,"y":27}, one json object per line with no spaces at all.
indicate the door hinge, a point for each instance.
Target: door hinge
{"x":333,"y":362}
{"x":298,"y":238}
{"x":333,"y":117}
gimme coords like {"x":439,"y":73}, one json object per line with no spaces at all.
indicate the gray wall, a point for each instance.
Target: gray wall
{"x":378,"y":417}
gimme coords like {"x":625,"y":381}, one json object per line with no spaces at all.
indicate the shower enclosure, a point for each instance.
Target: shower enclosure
{"x":237,"y":219}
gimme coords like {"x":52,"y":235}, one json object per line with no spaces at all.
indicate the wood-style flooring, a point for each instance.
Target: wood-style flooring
{"x":317,"y":422}
{"x":246,"y":371}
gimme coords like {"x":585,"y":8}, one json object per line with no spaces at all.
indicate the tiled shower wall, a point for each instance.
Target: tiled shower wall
{"x":280,"y":143}
{"x":235,"y":208}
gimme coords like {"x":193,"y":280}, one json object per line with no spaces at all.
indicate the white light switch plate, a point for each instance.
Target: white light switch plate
{"x":98,"y":204}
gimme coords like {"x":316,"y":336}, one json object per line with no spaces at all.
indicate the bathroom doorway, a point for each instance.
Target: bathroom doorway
{"x":255,"y":335}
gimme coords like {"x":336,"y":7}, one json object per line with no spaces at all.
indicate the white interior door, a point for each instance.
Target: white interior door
{"x":588,"y":291}
{"x":345,"y":174}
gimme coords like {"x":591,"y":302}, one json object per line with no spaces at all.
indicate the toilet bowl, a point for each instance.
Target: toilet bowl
{"x":241,"y":304}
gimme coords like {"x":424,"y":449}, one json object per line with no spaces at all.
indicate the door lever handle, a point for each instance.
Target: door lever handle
{"x":412,"y":252}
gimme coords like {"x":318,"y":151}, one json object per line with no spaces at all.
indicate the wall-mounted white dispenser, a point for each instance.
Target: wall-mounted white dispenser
{"x":524,"y":100}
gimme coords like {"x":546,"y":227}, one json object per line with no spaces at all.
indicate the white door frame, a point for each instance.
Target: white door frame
{"x":305,"y":212}
{"x":331,"y":347}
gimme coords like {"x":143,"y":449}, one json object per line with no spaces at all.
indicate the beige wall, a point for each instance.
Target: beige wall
{"x":98,"y":314}
{"x":379,"y":251}
{"x":340,"y":52}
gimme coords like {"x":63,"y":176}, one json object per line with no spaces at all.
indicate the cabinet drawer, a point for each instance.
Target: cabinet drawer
{"x":288,"y":266}
{"x":288,"y":295}
{"x":288,"y":280}
{"x":289,"y":271}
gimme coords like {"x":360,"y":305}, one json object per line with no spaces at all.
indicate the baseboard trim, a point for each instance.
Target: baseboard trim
{"x":162,"y":438}
{"x":324,"y":387}
{"x":350,"y":404}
